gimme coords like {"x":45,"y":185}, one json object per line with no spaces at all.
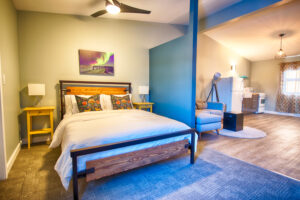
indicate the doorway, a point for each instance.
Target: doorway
{"x":3,"y":174}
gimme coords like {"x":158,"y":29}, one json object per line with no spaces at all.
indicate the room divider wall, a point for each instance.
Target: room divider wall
{"x":173,"y":74}
{"x":173,"y":64}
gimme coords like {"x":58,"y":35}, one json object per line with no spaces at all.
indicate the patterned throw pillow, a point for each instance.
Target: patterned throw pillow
{"x":121,"y":103}
{"x":88,"y":104}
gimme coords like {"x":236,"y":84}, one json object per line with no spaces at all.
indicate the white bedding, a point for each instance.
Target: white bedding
{"x":103,"y":127}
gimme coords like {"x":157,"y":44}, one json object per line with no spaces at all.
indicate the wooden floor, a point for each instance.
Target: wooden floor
{"x":279,"y":151}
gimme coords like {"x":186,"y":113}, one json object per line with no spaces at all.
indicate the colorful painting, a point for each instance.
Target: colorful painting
{"x":96,"y":63}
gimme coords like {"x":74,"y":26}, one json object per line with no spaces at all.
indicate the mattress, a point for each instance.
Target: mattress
{"x":104,"y":127}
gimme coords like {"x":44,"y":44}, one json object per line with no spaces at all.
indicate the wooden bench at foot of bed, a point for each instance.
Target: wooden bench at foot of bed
{"x":124,"y":162}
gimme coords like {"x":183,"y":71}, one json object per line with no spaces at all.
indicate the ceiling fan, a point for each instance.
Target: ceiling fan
{"x":115,"y":7}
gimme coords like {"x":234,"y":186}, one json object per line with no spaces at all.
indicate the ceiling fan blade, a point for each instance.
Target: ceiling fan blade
{"x":99,"y":13}
{"x":116,"y":2}
{"x":128,"y":9}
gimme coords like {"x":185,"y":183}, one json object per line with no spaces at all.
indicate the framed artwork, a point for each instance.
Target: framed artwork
{"x":96,"y":63}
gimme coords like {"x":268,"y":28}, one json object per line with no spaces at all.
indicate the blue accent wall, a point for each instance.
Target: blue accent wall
{"x":173,"y":64}
{"x":173,"y":74}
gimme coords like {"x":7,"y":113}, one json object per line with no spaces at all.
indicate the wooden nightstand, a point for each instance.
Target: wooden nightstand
{"x":39,"y":111}
{"x":143,"y":105}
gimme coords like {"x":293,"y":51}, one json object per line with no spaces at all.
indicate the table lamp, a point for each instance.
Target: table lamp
{"x":143,"y":90}
{"x":36,"y":89}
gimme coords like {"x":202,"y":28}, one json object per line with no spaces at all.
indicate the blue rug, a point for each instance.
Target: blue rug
{"x":213,"y":176}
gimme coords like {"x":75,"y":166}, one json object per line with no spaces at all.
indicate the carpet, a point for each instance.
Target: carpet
{"x":247,"y":132}
{"x":213,"y":176}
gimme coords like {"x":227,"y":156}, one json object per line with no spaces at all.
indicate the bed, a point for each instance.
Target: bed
{"x":102,"y":143}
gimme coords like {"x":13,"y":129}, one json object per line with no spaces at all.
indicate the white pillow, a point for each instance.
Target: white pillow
{"x":68,"y":105}
{"x":105,"y":100}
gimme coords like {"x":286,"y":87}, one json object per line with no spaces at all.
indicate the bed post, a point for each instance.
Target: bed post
{"x":129,"y":88}
{"x":61,"y":100}
{"x":75,"y":177}
{"x":193,"y":148}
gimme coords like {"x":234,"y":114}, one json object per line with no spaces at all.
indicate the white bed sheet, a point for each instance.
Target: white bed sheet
{"x":103,"y":127}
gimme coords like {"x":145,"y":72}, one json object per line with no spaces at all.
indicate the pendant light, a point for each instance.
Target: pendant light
{"x":280,"y":53}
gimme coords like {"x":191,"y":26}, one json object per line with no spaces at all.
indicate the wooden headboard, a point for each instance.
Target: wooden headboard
{"x":90,"y":88}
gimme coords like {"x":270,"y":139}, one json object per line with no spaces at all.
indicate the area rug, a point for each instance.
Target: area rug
{"x":213,"y":176}
{"x":247,"y":132}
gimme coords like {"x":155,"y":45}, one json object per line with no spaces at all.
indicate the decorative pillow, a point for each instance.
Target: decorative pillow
{"x":74,"y":102}
{"x":201,"y":104}
{"x":121,"y":102}
{"x":105,"y":100}
{"x":88,"y":104}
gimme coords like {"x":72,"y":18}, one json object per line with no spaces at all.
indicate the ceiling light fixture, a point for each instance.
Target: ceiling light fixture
{"x":115,"y":7}
{"x":112,"y":7}
{"x":280,"y":53}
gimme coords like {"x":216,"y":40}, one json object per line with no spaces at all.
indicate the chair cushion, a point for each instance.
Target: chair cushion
{"x":215,"y":112}
{"x":208,"y":127}
{"x":205,"y":118}
{"x":210,"y":111}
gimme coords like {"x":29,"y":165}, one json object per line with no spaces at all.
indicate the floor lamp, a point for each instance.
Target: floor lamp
{"x":216,"y":78}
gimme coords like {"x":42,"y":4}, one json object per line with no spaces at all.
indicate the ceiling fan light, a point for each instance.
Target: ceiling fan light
{"x":112,"y":9}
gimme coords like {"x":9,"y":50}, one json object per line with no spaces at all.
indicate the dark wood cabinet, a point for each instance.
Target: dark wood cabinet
{"x":233,"y":121}
{"x":250,"y":105}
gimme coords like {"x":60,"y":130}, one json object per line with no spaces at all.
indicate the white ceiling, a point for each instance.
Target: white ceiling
{"x":163,"y":11}
{"x":256,"y":37}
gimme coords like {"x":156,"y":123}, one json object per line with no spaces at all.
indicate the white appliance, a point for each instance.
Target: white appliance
{"x":261,"y":102}
{"x":231,"y":91}
{"x":248,"y":92}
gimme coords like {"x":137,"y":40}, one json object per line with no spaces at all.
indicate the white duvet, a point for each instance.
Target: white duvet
{"x":104,"y":127}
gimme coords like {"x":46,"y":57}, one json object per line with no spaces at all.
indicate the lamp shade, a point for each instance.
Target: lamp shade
{"x":36,"y":89}
{"x":143,"y":89}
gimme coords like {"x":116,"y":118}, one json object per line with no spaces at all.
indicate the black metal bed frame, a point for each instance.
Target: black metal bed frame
{"x":85,"y":151}
{"x":90,"y":150}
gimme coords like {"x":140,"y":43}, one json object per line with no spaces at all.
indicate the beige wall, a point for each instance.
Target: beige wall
{"x":265,"y":77}
{"x":10,"y":68}
{"x":49,"y":45}
{"x":213,"y":57}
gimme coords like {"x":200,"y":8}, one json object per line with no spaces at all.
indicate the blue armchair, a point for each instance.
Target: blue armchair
{"x":210,"y":118}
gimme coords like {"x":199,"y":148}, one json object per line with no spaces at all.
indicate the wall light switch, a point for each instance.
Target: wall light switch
{"x":3,"y":79}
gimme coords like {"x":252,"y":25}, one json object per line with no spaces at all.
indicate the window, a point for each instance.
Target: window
{"x":291,"y":82}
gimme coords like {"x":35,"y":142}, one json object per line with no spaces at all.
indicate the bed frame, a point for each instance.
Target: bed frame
{"x":103,"y":167}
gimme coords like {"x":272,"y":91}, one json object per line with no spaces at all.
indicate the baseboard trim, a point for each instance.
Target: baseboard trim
{"x":13,"y":158}
{"x":281,"y":113}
